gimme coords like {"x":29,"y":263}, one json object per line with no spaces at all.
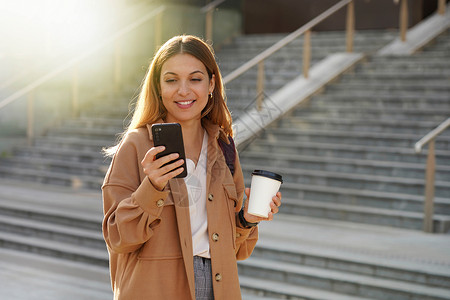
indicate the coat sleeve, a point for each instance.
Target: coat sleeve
{"x":131,"y":206}
{"x":246,"y":238}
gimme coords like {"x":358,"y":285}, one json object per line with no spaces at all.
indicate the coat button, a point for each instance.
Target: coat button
{"x":218,"y":277}
{"x":160,"y":203}
{"x":215,"y":237}
{"x":210,"y":197}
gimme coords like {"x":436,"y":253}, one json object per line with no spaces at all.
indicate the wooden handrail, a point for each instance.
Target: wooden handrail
{"x":74,"y":61}
{"x":403,"y":19}
{"x":211,"y":5}
{"x":430,"y":172}
{"x":441,"y":7}
{"x":404,"y":15}
{"x":283,"y":42}
{"x":208,"y":9}
{"x":431,"y":135}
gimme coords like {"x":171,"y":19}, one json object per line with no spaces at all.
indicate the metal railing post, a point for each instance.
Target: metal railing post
{"x":75,"y":92}
{"x":403,"y":19}
{"x":350,"y":26}
{"x":429,"y":188}
{"x":430,"y":138}
{"x":117,"y":64}
{"x":306,"y":53}
{"x":260,"y":86}
{"x":30,"y":117}
{"x":209,"y":25}
{"x":158,"y":30}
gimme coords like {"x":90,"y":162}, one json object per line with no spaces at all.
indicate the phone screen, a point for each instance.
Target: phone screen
{"x":170,"y":136}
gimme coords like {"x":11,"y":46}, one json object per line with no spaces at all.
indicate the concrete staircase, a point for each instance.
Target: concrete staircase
{"x":286,"y":64}
{"x":346,"y":156}
{"x":299,"y":258}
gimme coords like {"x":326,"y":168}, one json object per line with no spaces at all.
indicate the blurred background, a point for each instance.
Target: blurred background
{"x":348,"y":100}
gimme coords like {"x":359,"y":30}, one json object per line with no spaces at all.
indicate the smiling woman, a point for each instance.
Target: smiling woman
{"x":179,"y":238}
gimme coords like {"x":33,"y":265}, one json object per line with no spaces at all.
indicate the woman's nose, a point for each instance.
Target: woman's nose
{"x":183,"y":89}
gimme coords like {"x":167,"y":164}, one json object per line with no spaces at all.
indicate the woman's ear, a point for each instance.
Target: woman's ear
{"x":212,"y":83}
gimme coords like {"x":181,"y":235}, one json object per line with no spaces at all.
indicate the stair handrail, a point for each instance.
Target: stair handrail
{"x":305,"y":29}
{"x":429,"y":139}
{"x":74,"y":61}
{"x":208,"y":10}
{"x":403,"y":16}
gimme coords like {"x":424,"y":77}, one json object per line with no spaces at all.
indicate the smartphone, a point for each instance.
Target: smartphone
{"x":170,"y":136}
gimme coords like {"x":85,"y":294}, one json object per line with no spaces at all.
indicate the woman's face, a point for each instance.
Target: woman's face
{"x":185,"y":88}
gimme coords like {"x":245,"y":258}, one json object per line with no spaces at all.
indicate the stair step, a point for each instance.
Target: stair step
{"x":338,"y":281}
{"x":283,"y":290}
{"x":59,"y":165}
{"x":48,"y":231}
{"x":363,"y":214}
{"x":68,"y":142}
{"x":332,"y":111}
{"x":87,"y":133}
{"x":354,"y":85}
{"x":354,"y":138}
{"x":58,"y":153}
{"x":356,"y":263}
{"x":408,"y":186}
{"x":353,"y":124}
{"x":386,"y":101}
{"x":46,"y":210}
{"x":51,"y":278}
{"x":47,"y":177}
{"x":344,"y":165}
{"x":395,"y":154}
{"x":96,"y":122}
{"x":54,"y":249}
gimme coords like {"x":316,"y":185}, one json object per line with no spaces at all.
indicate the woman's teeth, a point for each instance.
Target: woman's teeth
{"x":185,"y":102}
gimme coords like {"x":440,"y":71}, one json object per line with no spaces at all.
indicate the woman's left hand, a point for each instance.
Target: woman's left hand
{"x":274,"y":205}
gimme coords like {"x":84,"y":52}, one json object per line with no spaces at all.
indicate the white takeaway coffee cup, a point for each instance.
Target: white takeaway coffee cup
{"x":264,"y":186}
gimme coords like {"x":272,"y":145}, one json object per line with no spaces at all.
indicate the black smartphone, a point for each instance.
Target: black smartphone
{"x":170,"y":136}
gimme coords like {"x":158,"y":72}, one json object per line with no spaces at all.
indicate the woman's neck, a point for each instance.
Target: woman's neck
{"x":193,"y":139}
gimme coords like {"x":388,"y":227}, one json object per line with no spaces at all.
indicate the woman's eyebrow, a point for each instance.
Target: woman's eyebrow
{"x":173,"y":73}
{"x":198,"y":71}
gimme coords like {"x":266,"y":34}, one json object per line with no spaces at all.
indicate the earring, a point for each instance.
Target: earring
{"x":210,"y":95}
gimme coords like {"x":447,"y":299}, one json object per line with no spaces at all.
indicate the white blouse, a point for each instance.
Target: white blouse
{"x":196,"y":187}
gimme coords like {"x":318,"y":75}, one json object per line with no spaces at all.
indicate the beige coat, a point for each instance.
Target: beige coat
{"x":148,"y":232}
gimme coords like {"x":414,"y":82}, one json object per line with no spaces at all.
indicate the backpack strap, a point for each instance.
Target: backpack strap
{"x":229,"y":151}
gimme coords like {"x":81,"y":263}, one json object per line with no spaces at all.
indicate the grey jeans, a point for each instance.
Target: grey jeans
{"x":203,"y":279}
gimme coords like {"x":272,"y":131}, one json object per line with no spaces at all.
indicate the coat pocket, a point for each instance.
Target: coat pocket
{"x":165,"y":241}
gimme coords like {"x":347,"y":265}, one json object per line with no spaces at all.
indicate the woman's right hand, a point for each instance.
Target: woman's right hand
{"x":158,"y":175}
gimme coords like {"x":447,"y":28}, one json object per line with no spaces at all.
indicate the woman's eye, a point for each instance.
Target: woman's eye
{"x":196,"y":79}
{"x":170,"y":80}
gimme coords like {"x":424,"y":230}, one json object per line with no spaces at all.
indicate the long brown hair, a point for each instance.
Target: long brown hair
{"x":149,"y":107}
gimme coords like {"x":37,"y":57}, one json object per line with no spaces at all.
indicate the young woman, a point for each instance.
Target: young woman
{"x":178,"y":238}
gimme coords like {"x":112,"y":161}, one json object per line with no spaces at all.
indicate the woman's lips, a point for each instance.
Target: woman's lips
{"x":185,"y":104}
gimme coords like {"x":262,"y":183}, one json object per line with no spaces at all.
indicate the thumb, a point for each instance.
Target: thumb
{"x":247,"y":193}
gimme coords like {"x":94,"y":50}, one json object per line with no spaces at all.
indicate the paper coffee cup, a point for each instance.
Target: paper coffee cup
{"x":264,"y":186}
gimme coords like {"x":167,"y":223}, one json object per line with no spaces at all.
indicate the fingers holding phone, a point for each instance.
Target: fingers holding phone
{"x":160,"y":170}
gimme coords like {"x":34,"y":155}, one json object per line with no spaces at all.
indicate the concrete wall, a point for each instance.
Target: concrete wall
{"x":264,"y":16}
